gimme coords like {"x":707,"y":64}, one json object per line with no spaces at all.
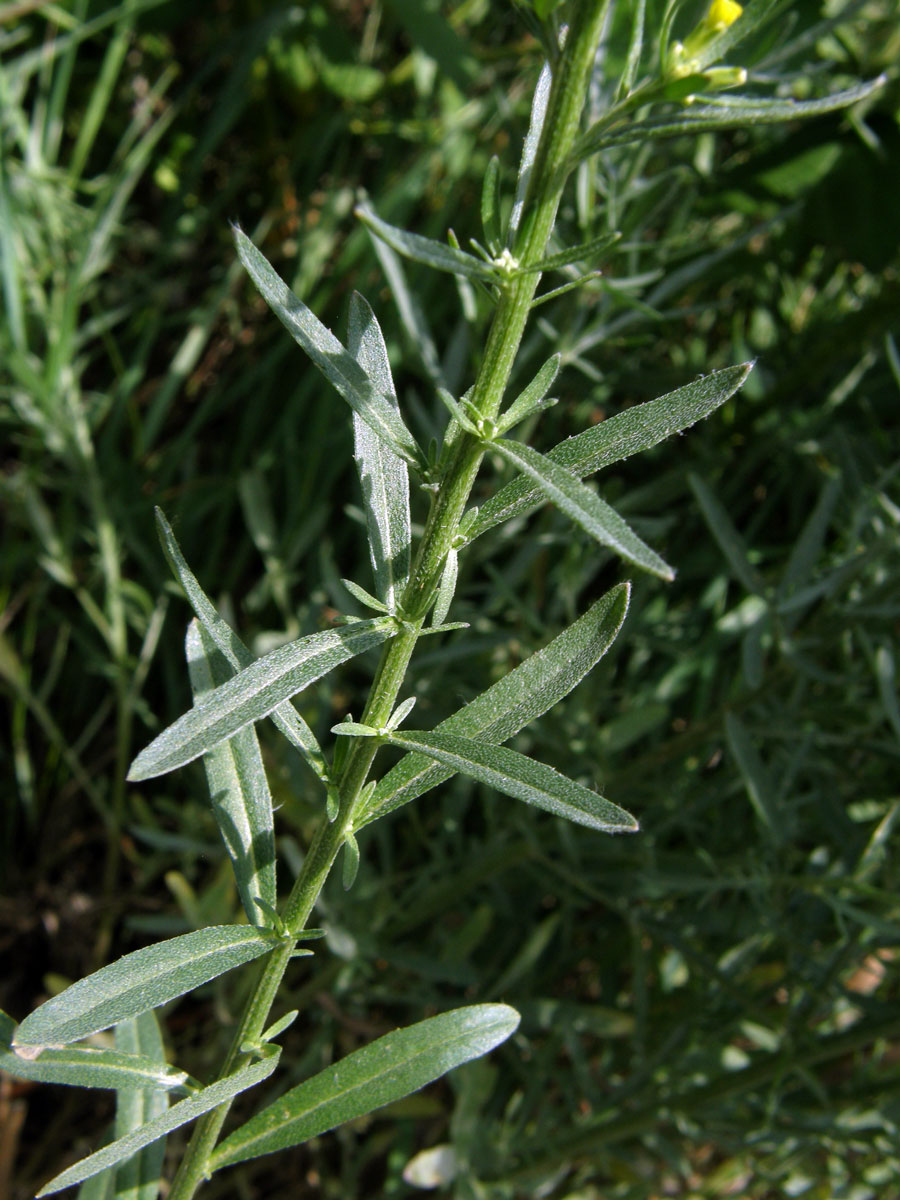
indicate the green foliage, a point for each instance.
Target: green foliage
{"x":707,"y":1006}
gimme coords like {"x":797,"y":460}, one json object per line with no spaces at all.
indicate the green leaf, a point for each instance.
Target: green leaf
{"x":520,"y":777}
{"x":84,"y":1066}
{"x":179,"y":1114}
{"x":254,"y":692}
{"x":490,"y":206}
{"x":366,"y":599}
{"x":340,"y":368}
{"x":237,"y":655}
{"x":731,"y":112}
{"x":757,"y":781}
{"x":391,"y":1067}
{"x":583,"y":506}
{"x":529,"y":149}
{"x":446,"y":588}
{"x":626,"y":433}
{"x":635,"y":47}
{"x":139,"y":1177}
{"x":580,"y":253}
{"x":527,"y":692}
{"x":730,"y":541}
{"x":427,"y":250}
{"x":350,"y":862}
{"x":532,"y":398}
{"x":238,"y":787}
{"x":383,"y":475}
{"x":140,"y":981}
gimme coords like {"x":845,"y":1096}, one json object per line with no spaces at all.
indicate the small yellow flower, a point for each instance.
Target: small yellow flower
{"x":723,"y":13}
{"x":685,"y":58}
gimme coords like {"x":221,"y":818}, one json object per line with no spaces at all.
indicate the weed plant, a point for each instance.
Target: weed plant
{"x":703,"y":1005}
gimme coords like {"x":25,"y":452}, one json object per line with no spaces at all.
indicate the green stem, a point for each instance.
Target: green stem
{"x":549,"y":173}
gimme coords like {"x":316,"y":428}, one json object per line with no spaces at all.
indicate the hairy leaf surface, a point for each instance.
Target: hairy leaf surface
{"x":382,"y":474}
{"x":255,"y":692}
{"x":527,"y":692}
{"x":238,"y":787}
{"x":140,"y":981}
{"x":391,"y":1067}
{"x":521,"y":777}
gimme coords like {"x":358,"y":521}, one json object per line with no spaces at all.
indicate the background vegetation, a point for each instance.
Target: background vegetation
{"x":709,"y":1008}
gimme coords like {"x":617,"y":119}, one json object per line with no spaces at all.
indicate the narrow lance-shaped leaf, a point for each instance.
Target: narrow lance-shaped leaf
{"x":730,"y":541}
{"x":617,"y":438}
{"x":426,"y":250}
{"x":382,"y":474}
{"x":139,"y":1177}
{"x":86,"y":1066}
{"x":583,"y":252}
{"x":490,"y":206}
{"x":179,"y":1114}
{"x":285,"y":717}
{"x":338,"y":366}
{"x":757,"y":781}
{"x":254,"y":692}
{"x":521,"y":777}
{"x":140,"y":981}
{"x":527,"y":692}
{"x":529,"y":149}
{"x":734,"y":112}
{"x":387,"y":1070}
{"x":531,"y":399}
{"x":584,"y":507}
{"x":238,"y":787}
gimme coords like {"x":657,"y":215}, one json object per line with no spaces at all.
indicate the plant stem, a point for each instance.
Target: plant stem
{"x":566,"y":101}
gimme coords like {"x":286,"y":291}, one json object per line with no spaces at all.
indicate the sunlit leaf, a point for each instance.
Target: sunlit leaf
{"x":391,"y":1067}
{"x":140,"y":981}
{"x":255,"y":692}
{"x":238,"y":787}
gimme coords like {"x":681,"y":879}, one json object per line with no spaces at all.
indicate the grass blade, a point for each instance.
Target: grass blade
{"x":387,"y":1070}
{"x":139,"y":982}
{"x":238,"y":787}
{"x":527,"y":692}
{"x":255,"y":692}
{"x":757,"y":781}
{"x":730,"y":541}
{"x":583,"y":506}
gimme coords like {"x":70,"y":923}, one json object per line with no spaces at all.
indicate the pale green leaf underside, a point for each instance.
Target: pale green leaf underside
{"x":527,"y":692}
{"x":255,"y":692}
{"x":139,"y":1177}
{"x":338,"y":366}
{"x":85,"y":1066}
{"x":238,"y":788}
{"x":140,"y":981}
{"x":583,"y":506}
{"x":426,"y":250}
{"x":285,"y":716}
{"x":521,"y":777}
{"x":387,"y":1070}
{"x":179,"y":1114}
{"x":383,"y":475}
{"x":626,"y":433}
